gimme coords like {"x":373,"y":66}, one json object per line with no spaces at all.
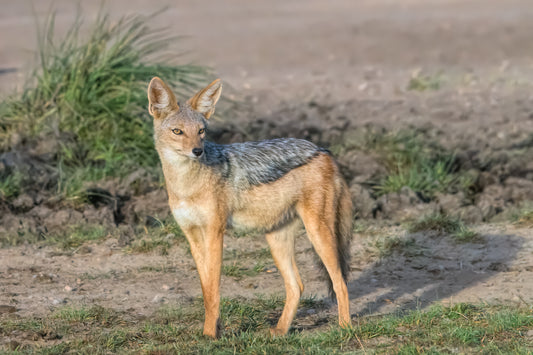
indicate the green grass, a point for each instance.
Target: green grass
{"x":463,"y":328}
{"x":463,"y":234}
{"x":524,"y":217}
{"x":160,"y":237}
{"x":445,"y":224}
{"x":384,"y":246}
{"x":425,"y":82}
{"x":425,"y":176}
{"x":237,"y":270}
{"x":151,"y":244}
{"x":11,"y":183}
{"x":83,"y":314}
{"x":88,"y":97}
{"x":410,"y":158}
{"x":69,"y":239}
{"x":239,"y":264}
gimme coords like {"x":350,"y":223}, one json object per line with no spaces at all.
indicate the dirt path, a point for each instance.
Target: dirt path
{"x":434,"y":268}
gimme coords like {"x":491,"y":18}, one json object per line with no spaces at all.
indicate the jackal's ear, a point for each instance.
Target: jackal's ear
{"x":205,"y":100}
{"x":160,"y":98}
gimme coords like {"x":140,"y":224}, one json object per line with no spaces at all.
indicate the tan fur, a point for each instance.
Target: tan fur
{"x":204,"y":101}
{"x":202,"y":202}
{"x":160,"y":92}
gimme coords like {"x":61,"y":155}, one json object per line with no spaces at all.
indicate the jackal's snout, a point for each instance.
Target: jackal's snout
{"x":198,"y":152}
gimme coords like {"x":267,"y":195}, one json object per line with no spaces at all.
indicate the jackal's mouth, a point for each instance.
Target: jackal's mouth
{"x":193,"y":156}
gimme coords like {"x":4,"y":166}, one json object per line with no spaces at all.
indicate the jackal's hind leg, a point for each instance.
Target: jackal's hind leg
{"x":319,"y":228}
{"x":281,"y":244}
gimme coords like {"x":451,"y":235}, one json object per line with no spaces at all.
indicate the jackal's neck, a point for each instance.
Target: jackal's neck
{"x":182,"y":174}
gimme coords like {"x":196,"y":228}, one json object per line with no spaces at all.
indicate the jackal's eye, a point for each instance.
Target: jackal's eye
{"x":201,"y":131}
{"x":177,"y":131}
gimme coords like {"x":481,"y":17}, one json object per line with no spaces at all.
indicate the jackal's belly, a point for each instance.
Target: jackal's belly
{"x":260,"y":219}
{"x":264,"y":212}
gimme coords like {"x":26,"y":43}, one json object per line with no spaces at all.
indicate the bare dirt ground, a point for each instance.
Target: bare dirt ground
{"x":305,"y":69}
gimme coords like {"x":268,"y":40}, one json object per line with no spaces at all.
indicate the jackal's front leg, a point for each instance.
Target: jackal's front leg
{"x":206,"y":249}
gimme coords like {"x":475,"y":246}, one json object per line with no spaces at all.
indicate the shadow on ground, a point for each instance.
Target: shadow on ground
{"x":435,"y":268}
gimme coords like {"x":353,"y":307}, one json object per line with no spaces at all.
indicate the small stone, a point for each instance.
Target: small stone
{"x":40,"y":212}
{"x":363,"y":203}
{"x":165,"y":287}
{"x":68,"y":288}
{"x":23,"y":202}
{"x":491,"y":201}
{"x":435,"y":269}
{"x":395,"y":204}
{"x":470,"y":214}
{"x":158,"y":299}
{"x":84,"y":249}
{"x":126,"y":235}
{"x":46,"y":278}
{"x":449,"y":203}
{"x":137,"y":183}
{"x":362,"y":166}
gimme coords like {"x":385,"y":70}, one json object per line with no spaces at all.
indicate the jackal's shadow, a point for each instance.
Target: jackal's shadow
{"x":430,"y":269}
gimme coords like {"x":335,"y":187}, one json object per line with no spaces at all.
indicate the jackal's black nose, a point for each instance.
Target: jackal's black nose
{"x":197,"y":151}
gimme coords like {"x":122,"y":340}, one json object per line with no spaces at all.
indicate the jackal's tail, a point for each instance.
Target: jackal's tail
{"x":343,"y":234}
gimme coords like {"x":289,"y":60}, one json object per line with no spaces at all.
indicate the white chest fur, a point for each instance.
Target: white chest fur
{"x":186,"y":214}
{"x":170,"y":156}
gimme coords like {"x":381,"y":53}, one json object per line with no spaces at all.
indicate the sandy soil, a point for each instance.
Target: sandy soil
{"x":351,"y":61}
{"x":497,"y":269}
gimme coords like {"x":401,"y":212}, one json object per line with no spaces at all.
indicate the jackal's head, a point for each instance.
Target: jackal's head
{"x":179,"y":130}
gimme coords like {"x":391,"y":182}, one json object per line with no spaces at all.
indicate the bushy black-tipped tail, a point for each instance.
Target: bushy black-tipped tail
{"x":343,"y":236}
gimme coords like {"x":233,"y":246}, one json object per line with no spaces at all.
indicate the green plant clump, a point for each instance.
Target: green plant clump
{"x":424,"y":167}
{"x":524,"y":217}
{"x":420,"y":82}
{"x":87,"y":98}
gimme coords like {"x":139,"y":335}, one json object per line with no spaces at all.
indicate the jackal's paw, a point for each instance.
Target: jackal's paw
{"x":276,"y":332}
{"x":346,"y":323}
{"x":213,"y":332}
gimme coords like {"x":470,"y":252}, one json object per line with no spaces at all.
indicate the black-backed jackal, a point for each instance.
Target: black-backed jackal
{"x":271,"y":186}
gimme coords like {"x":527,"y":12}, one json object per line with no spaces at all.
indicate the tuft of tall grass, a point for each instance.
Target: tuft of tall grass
{"x":443,"y":223}
{"x":10,"y":184}
{"x":88,"y":96}
{"x":424,"y":167}
{"x":426,"y":176}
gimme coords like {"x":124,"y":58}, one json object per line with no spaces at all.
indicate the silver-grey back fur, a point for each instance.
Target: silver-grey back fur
{"x":254,"y":163}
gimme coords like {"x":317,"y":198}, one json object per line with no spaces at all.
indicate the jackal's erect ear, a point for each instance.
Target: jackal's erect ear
{"x":160,"y":98}
{"x":205,"y":100}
